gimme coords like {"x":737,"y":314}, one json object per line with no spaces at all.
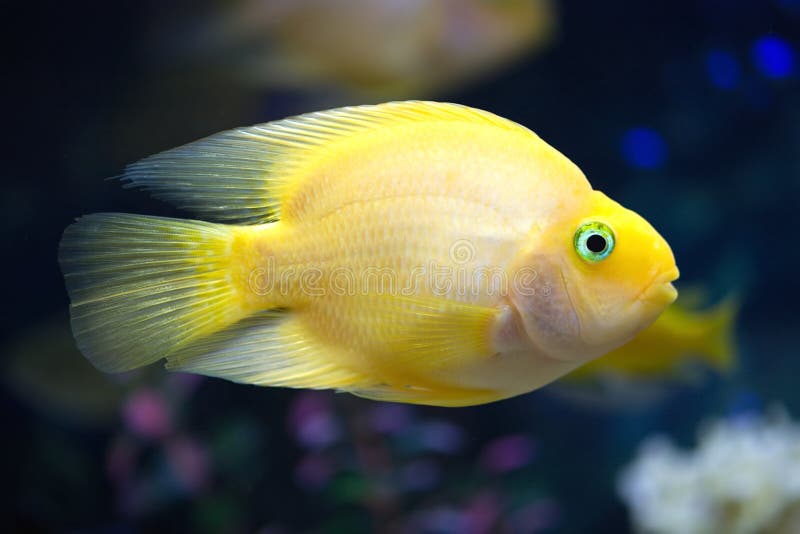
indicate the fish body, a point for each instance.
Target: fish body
{"x":411,"y":251}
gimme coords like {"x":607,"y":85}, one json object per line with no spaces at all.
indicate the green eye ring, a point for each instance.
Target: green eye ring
{"x":594,"y":241}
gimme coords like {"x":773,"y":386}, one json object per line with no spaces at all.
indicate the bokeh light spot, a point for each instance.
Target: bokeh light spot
{"x":643,"y":148}
{"x":723,"y":69}
{"x":508,"y":453}
{"x":773,"y":57}
{"x":147,"y":415}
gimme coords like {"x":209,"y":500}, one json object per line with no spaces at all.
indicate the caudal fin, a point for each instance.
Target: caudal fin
{"x":720,"y":348}
{"x":141,"y":287}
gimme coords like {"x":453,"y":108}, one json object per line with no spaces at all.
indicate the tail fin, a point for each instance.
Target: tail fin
{"x":141,"y":287}
{"x":719,"y":343}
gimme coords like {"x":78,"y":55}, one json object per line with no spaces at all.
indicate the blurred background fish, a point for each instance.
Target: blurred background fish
{"x":685,"y":344}
{"x":681,"y":335}
{"x":40,"y":369}
{"x":372,"y":50}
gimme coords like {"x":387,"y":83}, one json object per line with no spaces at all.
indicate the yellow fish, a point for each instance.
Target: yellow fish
{"x":680,"y":335}
{"x":372,"y":48}
{"x":417,"y":252}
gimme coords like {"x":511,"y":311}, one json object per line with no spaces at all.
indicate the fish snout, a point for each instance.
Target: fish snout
{"x":661,"y":291}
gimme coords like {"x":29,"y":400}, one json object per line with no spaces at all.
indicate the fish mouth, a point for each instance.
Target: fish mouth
{"x":660,"y":290}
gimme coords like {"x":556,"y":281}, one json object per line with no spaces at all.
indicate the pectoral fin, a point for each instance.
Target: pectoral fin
{"x":424,"y":333}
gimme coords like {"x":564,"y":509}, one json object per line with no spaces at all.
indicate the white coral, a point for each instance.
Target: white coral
{"x":743,"y":478}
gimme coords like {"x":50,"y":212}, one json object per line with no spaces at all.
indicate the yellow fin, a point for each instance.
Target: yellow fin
{"x":142,"y":286}
{"x":422,"y":333}
{"x":272,"y":348}
{"x":240,"y":175}
{"x":720,"y":347}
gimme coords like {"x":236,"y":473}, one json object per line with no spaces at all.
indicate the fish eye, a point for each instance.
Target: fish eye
{"x":594,"y":241}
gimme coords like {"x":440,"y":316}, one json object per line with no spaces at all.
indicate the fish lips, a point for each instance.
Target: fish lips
{"x":661,"y":292}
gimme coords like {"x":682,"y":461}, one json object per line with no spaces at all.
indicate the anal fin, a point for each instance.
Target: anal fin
{"x":273,"y":348}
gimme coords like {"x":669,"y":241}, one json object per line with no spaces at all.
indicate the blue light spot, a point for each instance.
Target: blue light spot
{"x":723,"y":69}
{"x":773,"y":57}
{"x":643,"y":148}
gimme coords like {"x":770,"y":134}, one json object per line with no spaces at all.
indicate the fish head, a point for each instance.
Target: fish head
{"x":596,"y":276}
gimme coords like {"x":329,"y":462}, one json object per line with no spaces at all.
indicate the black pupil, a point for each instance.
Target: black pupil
{"x":596,"y":243}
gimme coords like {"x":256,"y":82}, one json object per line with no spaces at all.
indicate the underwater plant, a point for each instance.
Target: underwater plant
{"x":744,"y":477}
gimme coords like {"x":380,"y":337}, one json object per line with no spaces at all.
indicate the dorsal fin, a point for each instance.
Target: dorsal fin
{"x":238,"y":175}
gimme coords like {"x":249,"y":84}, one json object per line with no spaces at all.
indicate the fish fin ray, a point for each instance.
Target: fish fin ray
{"x":272,"y":348}
{"x":241,"y":175}
{"x":721,"y":346}
{"x":140,"y":286}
